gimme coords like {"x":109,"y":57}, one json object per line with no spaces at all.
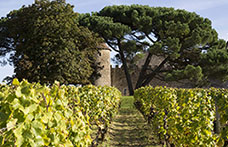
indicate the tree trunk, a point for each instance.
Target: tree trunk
{"x":143,"y":71}
{"x":150,"y":76}
{"x":126,"y":71}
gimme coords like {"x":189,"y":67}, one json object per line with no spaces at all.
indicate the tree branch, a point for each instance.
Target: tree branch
{"x":109,"y":44}
{"x":133,"y":34}
{"x":126,"y":71}
{"x":143,"y":43}
{"x":143,"y":71}
{"x":159,"y":78}
{"x":150,"y":76}
{"x":150,"y":38}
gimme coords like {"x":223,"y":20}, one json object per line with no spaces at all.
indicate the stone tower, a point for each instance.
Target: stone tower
{"x":104,"y":59}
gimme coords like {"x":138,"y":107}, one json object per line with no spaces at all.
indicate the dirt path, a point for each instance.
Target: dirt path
{"x":129,"y":129}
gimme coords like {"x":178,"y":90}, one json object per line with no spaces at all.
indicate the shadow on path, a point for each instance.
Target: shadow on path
{"x":129,"y":129}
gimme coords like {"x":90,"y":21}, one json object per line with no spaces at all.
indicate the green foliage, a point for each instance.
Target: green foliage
{"x":45,"y":44}
{"x":194,"y":74}
{"x":183,"y":117}
{"x":174,"y":29}
{"x":180,"y":38}
{"x":215,"y":61}
{"x":36,"y":115}
{"x":220,"y":96}
{"x":99,"y":103}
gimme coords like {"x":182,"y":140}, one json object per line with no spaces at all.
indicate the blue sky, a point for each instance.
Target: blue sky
{"x":215,"y":10}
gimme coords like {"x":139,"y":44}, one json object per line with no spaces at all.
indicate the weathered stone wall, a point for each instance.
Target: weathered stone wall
{"x":119,"y":81}
{"x":104,"y":59}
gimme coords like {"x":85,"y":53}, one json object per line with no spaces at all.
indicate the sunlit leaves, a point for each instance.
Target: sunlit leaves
{"x":183,"y":117}
{"x":36,"y":115}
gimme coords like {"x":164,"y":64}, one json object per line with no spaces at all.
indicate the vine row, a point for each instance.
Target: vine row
{"x":186,"y":117}
{"x":35,"y":115}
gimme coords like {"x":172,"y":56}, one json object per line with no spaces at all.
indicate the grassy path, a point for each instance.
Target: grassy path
{"x":129,"y":129}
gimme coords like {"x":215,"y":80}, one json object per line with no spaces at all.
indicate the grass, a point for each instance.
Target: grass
{"x":129,"y":129}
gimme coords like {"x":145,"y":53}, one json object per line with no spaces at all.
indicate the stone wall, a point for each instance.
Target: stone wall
{"x":119,"y":81}
{"x":104,"y":59}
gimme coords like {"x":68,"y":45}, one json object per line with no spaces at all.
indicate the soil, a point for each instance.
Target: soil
{"x":129,"y":128}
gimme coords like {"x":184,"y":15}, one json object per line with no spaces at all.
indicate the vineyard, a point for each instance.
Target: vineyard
{"x":185,"y":117}
{"x":37,"y":115}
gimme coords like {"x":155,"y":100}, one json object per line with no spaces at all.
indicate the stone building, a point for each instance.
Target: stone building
{"x":114,"y":76}
{"x":104,"y":59}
